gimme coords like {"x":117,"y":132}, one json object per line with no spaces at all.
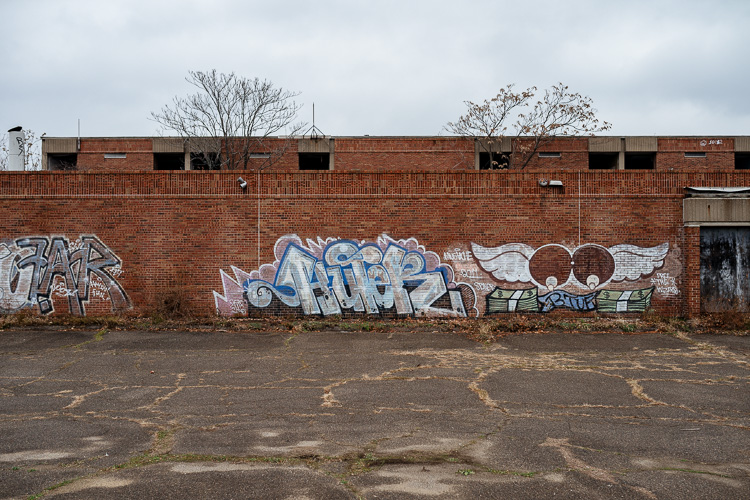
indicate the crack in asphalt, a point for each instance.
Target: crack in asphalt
{"x":702,"y":361}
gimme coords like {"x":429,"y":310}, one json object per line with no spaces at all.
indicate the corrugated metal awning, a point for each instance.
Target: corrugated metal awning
{"x":717,"y":192}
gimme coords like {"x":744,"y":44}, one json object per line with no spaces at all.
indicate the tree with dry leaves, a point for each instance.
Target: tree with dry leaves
{"x":530,"y":125}
{"x":231,"y":121}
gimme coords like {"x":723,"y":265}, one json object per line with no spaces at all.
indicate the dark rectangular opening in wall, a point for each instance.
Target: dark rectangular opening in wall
{"x":169,"y":161}
{"x":725,"y":269}
{"x":314,"y":161}
{"x":62,"y":161}
{"x":498,"y":160}
{"x":550,"y":154}
{"x":742,"y":161}
{"x":695,"y":154}
{"x":199,"y":161}
{"x":603,"y":161}
{"x":640,"y":161}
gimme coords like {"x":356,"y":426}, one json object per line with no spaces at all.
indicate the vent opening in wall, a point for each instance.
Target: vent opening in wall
{"x":169,"y":161}
{"x":205,"y":161}
{"x":496,"y":161}
{"x":62,"y":161}
{"x":603,"y":161}
{"x":640,"y":161}
{"x":742,"y":161}
{"x":695,"y":154}
{"x":113,"y":156}
{"x":314,"y":161}
{"x":550,"y":155}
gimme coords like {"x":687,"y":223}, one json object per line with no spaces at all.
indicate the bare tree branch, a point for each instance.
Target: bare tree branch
{"x":557,"y":113}
{"x":231,"y":118}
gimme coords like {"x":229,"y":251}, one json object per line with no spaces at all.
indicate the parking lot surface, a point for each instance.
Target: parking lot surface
{"x":332,"y":414}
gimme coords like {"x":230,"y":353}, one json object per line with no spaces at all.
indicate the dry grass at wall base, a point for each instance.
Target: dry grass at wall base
{"x":174,"y":315}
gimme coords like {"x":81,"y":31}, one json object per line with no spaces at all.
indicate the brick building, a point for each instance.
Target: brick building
{"x":381,"y":226}
{"x":431,"y":154}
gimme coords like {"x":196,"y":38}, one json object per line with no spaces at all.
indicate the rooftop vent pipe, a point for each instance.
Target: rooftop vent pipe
{"x":16,"y":145}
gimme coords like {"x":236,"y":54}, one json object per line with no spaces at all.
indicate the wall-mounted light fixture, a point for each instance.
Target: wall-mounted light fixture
{"x":548,"y":183}
{"x":243,"y":182}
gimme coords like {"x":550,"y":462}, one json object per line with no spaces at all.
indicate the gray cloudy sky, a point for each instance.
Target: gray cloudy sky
{"x":400,"y":67}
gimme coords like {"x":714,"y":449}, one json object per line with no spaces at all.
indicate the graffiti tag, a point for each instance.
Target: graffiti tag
{"x":334,"y":276}
{"x":665,"y":284}
{"x":469,"y":273}
{"x":457,"y":255}
{"x":35,"y":269}
{"x":567,"y":300}
{"x":483,"y":287}
{"x":529,"y":300}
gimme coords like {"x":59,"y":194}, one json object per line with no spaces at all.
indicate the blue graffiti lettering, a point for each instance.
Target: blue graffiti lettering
{"x":362,"y":278}
{"x":560,"y":298}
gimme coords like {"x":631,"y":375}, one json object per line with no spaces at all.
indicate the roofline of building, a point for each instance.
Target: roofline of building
{"x":446,"y":137}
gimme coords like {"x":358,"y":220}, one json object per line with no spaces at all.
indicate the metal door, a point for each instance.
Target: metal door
{"x":725,"y":269}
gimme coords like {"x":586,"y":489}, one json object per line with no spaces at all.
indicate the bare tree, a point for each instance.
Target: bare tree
{"x":230,"y":120}
{"x":488,"y":120}
{"x":556,"y":113}
{"x":32,"y":155}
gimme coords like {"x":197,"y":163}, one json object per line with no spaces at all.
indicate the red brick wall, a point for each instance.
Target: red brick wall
{"x":680,"y":144}
{"x":692,"y":245}
{"x":138,"y":151}
{"x":568,"y":160}
{"x":712,"y":162}
{"x":177,"y":230}
{"x":399,"y":161}
{"x":286,"y":148}
{"x":116,"y":145}
{"x":573,"y":154}
{"x":379,"y":154}
{"x":719,"y":154}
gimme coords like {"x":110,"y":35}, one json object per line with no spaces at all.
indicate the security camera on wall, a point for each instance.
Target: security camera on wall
{"x":243,"y":182}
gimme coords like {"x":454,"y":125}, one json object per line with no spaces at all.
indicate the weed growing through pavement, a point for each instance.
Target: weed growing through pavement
{"x":486,"y":330}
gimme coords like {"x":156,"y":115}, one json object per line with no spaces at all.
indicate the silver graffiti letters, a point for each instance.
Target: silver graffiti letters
{"x":335,"y":276}
{"x":35,"y":269}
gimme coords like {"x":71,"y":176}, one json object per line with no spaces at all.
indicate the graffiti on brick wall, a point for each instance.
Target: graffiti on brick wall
{"x":665,"y":284}
{"x":43,"y":272}
{"x":528,"y":300}
{"x":580,"y":279}
{"x":335,"y":276}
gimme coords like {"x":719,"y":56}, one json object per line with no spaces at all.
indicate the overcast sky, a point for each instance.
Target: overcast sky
{"x":400,"y":67}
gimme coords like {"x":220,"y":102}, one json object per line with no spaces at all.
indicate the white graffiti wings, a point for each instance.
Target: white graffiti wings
{"x":507,"y":262}
{"x":511,"y":262}
{"x":632,"y":262}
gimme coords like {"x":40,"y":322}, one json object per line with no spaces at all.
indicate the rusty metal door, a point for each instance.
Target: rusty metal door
{"x":725,"y":269}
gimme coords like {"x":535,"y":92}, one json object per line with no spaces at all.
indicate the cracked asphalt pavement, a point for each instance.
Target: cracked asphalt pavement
{"x":133,"y":414}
